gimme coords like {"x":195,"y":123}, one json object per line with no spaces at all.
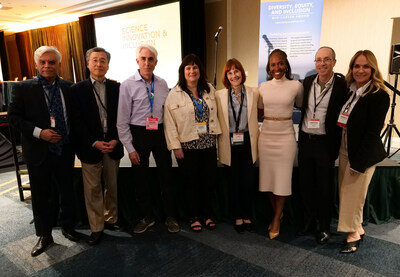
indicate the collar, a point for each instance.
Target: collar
{"x":233,"y":93}
{"x":93,"y":81}
{"x":329,"y":83}
{"x":361,"y":90}
{"x":138,"y":77}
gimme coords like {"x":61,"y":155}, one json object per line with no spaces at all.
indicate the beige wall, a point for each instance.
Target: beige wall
{"x":347,"y":26}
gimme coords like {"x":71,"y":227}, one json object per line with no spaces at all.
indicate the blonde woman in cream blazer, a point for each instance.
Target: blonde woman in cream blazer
{"x":191,"y":127}
{"x":237,"y":145}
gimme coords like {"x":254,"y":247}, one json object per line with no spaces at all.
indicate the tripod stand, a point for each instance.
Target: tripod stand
{"x":387,"y":133}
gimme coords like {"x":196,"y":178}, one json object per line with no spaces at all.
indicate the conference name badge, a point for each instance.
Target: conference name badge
{"x":201,"y":127}
{"x":313,"y":123}
{"x":237,"y":139}
{"x":342,"y":120}
{"x":152,"y":123}
{"x":52,"y":122}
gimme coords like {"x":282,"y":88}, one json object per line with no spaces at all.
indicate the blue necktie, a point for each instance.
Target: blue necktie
{"x":56,"y":109}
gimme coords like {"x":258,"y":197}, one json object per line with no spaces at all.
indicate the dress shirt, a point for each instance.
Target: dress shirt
{"x":354,"y":97}
{"x":321,"y":98}
{"x":37,"y":130}
{"x":134,"y":105}
{"x":236,"y":105}
{"x":99,"y":92}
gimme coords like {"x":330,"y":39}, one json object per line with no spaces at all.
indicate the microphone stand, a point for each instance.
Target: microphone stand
{"x":215,"y":64}
{"x":391,"y":125}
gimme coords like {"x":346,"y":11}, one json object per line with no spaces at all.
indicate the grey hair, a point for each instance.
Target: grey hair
{"x":147,"y":46}
{"x":45,"y":49}
{"x":330,"y":48}
{"x":97,"y":49}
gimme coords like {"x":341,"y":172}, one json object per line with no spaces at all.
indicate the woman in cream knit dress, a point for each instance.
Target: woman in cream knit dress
{"x":277,"y":143}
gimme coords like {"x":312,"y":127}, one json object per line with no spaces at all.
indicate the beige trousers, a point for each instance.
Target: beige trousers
{"x":101,"y":208}
{"x":352,"y":191}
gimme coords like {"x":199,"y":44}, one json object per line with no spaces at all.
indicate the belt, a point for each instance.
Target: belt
{"x":312,"y":137}
{"x":277,"y":118}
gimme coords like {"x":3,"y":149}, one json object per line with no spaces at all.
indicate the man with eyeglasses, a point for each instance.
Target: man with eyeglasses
{"x":319,"y":141}
{"x":96,"y":142}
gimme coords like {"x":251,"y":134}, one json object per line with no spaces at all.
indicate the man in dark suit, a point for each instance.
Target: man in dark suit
{"x":40,"y":110}
{"x":319,"y":141}
{"x":97,"y":144}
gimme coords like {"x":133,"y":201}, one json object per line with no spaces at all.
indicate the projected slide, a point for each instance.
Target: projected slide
{"x":158,"y":26}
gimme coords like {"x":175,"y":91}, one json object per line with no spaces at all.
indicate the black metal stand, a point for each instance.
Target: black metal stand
{"x":215,"y":64}
{"x":387,"y":133}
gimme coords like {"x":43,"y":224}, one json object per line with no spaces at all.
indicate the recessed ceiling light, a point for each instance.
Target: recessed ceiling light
{"x":1,"y":5}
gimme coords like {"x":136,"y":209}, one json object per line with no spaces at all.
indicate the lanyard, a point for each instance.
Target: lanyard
{"x":150,"y":93}
{"x":49,"y":100}
{"x":324,"y":92}
{"x":346,"y":109}
{"x":98,"y":97}
{"x":198,"y":103}
{"x":237,"y":121}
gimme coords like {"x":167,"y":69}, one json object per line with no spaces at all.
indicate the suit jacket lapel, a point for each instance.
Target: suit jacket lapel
{"x":38,"y":93}
{"x":225,"y":103}
{"x":249,"y":95}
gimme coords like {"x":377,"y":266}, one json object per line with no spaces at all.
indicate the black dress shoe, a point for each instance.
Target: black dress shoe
{"x":112,"y":226}
{"x":323,"y":237}
{"x":42,"y":245}
{"x":95,"y":238}
{"x":240,"y":228}
{"x":250,"y":227}
{"x":308,"y":224}
{"x":70,"y":234}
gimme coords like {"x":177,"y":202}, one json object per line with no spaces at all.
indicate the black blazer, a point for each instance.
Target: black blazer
{"x":336,"y":101}
{"x":364,"y":126}
{"x":28,"y":109}
{"x":86,"y":121}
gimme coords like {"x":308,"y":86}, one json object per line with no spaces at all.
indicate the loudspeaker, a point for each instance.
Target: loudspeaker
{"x":395,"y":60}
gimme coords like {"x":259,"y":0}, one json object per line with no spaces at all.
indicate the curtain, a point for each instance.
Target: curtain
{"x":88,"y":34}
{"x":68,"y":40}
{"x":26,"y":61}
{"x":3,"y":57}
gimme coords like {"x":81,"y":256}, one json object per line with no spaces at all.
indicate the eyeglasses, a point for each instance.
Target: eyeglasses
{"x":326,"y":60}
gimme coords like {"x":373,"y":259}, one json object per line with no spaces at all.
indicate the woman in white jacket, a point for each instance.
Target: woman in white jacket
{"x":237,"y":145}
{"x":191,"y":128}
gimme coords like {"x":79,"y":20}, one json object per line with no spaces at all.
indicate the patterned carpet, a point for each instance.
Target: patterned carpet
{"x":222,"y":252}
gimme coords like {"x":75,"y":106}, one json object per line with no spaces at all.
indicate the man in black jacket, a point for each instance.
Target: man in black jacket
{"x":40,"y":110}
{"x":319,"y":141}
{"x":97,"y":145}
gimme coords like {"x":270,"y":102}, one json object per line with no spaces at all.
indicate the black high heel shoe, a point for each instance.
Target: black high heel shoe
{"x":240,"y":228}
{"x":250,"y":227}
{"x":350,"y":247}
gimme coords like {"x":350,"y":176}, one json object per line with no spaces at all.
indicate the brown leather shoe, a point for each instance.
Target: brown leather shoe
{"x":42,"y":245}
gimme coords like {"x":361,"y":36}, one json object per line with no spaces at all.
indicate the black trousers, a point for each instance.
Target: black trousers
{"x":316,"y":171}
{"x":199,"y":168}
{"x":241,"y":179}
{"x":52,"y":192}
{"x":146,"y":142}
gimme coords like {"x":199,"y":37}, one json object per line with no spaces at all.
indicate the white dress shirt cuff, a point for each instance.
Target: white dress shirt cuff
{"x":36,"y":132}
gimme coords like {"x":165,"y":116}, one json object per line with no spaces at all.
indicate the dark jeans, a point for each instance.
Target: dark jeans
{"x":52,"y":192}
{"x":199,"y":168}
{"x":146,"y":141}
{"x":316,"y":171}
{"x":241,"y":179}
